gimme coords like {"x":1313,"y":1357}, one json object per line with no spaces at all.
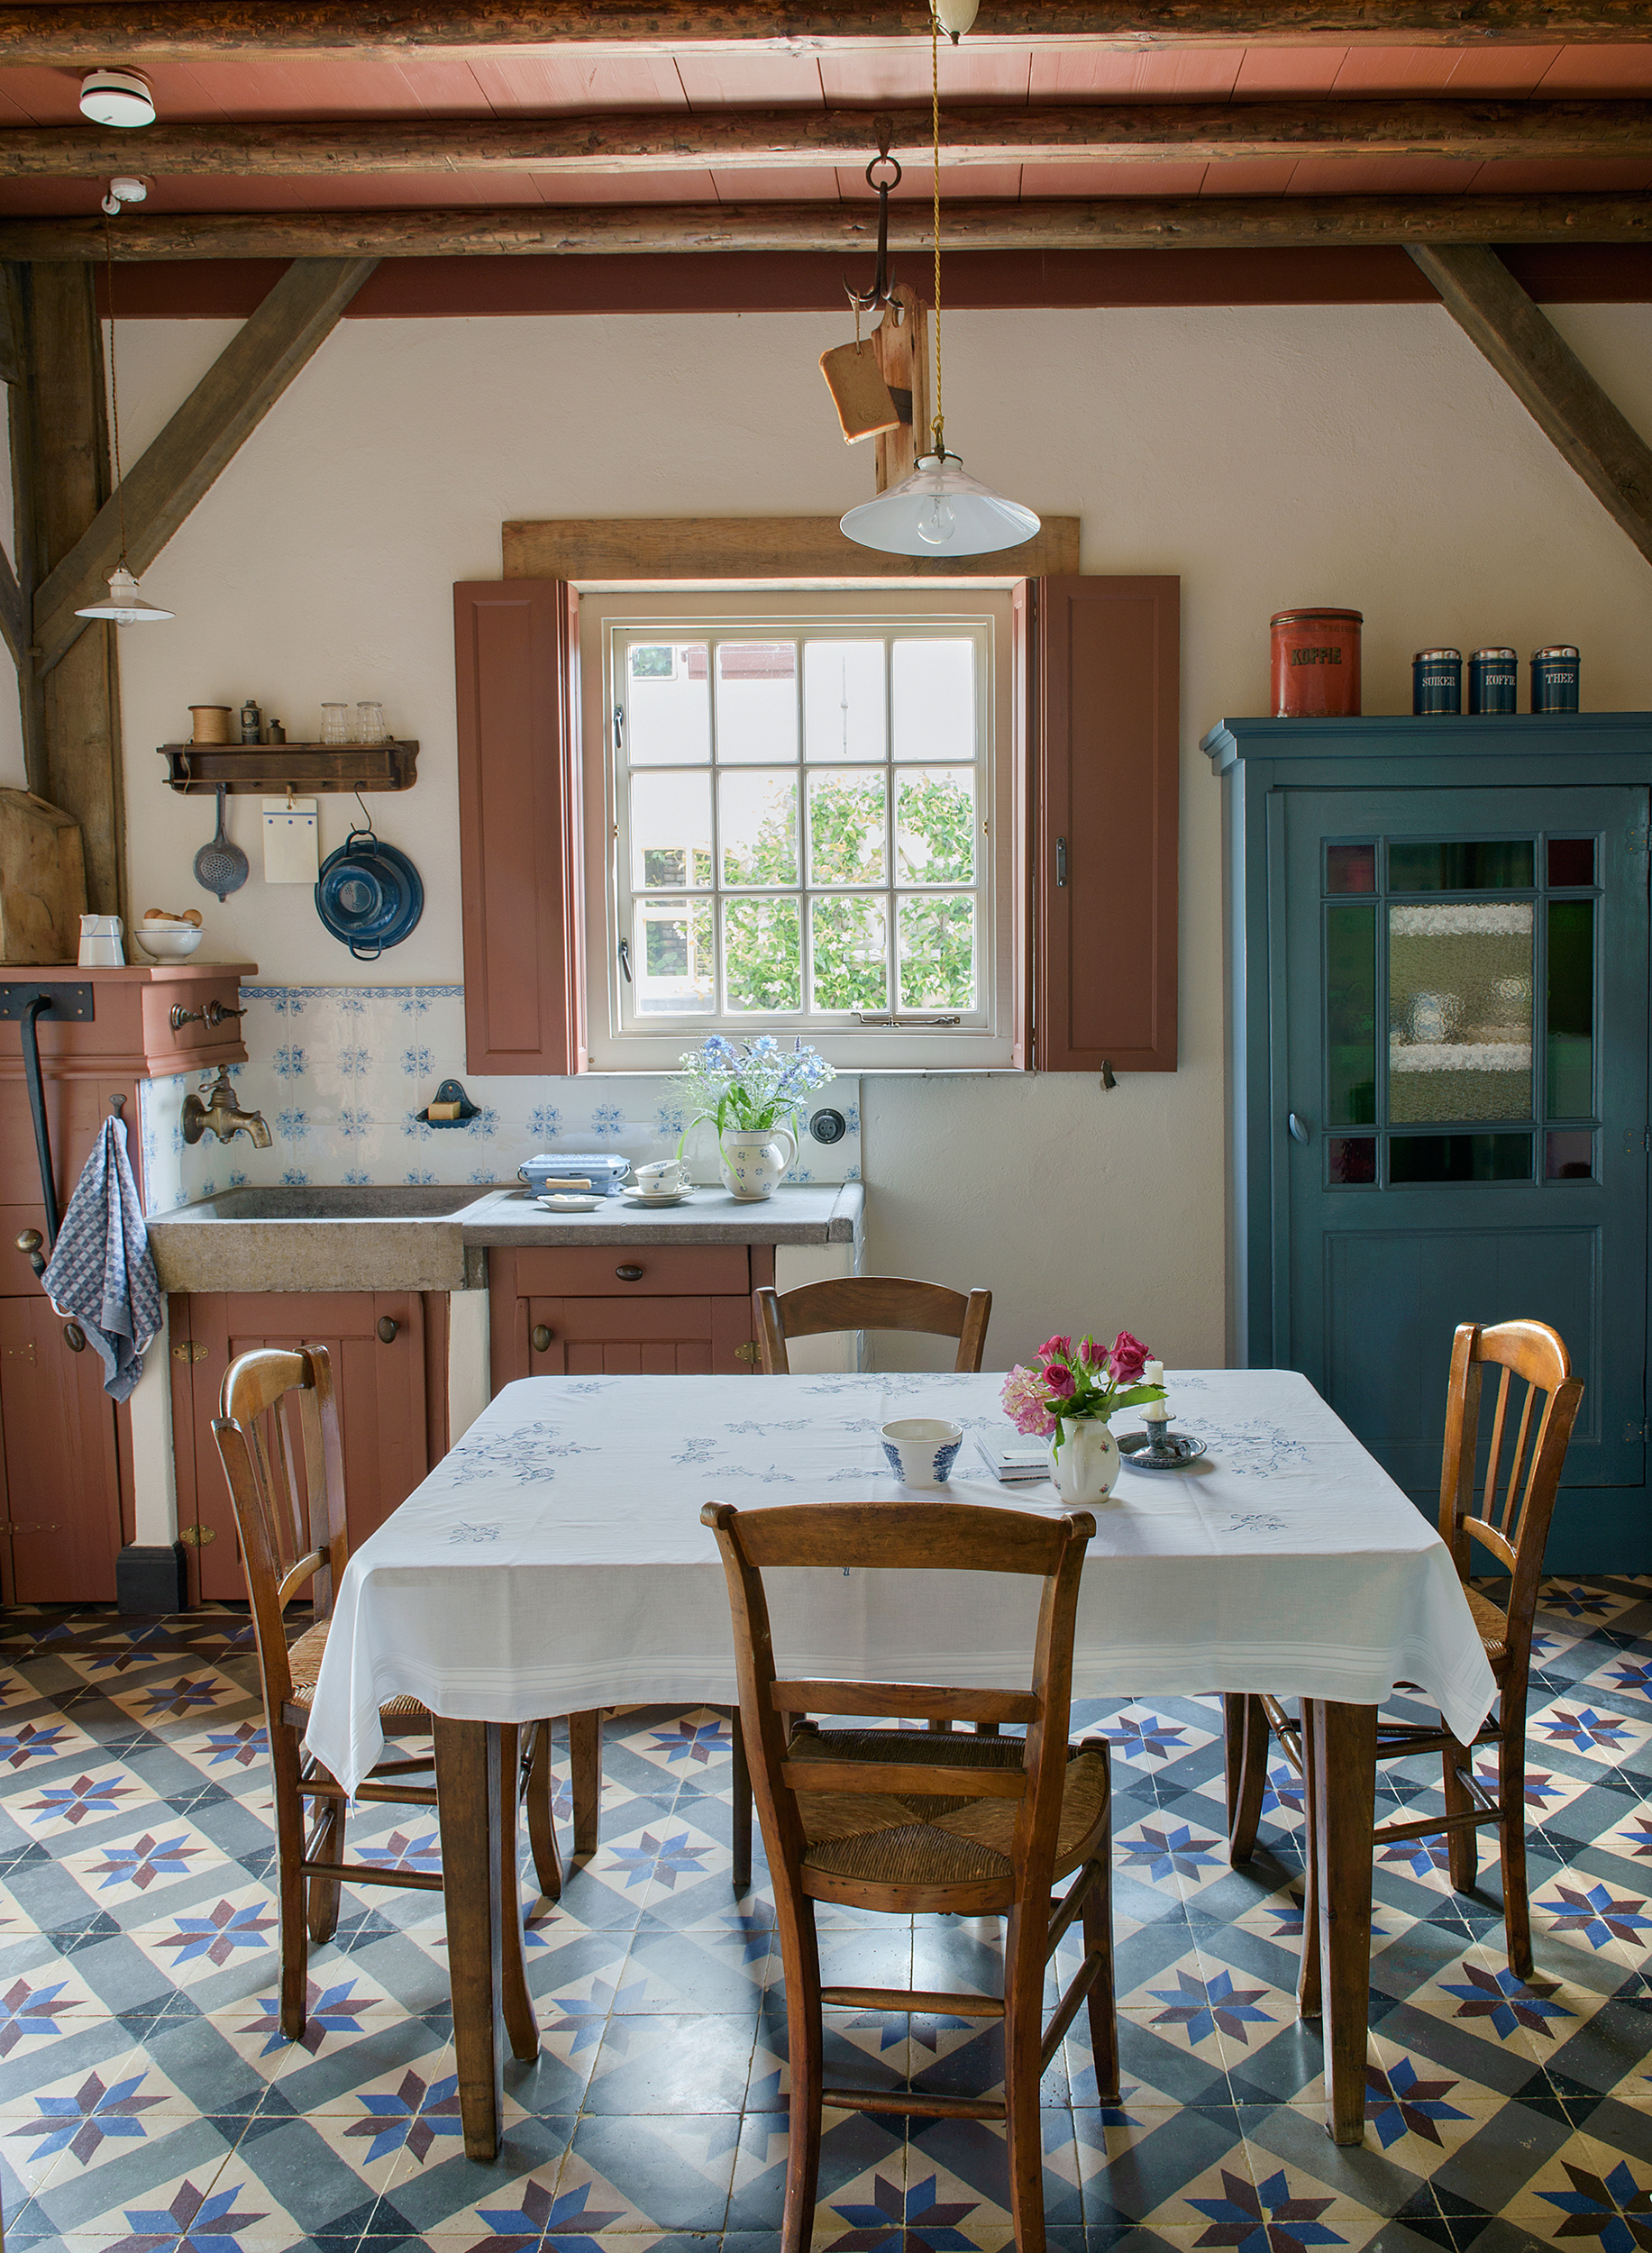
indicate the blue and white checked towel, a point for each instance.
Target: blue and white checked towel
{"x":101,"y":1273}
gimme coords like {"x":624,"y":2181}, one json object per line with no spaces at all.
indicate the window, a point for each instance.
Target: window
{"x":799,"y":820}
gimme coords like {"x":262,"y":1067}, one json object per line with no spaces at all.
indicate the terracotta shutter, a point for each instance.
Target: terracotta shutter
{"x":519,"y":825}
{"x":1107,"y":667}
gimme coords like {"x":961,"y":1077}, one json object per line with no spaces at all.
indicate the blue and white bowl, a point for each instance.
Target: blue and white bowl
{"x":921,"y":1450}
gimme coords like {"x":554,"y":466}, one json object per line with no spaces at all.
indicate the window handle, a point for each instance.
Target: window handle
{"x":625,"y":959}
{"x":1061,"y":860}
{"x":1299,"y":1128}
{"x":619,"y":727}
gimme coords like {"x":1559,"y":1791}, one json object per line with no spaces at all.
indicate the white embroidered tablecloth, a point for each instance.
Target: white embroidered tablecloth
{"x":554,"y":1560}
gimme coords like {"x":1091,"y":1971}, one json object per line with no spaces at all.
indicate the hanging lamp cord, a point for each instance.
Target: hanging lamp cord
{"x":115,"y":391}
{"x":939,"y":428}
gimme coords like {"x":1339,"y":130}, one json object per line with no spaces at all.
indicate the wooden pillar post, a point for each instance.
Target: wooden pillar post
{"x":903,"y":355}
{"x":71,"y":710}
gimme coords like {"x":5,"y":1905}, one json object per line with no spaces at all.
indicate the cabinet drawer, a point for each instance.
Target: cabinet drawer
{"x":594,"y":1271}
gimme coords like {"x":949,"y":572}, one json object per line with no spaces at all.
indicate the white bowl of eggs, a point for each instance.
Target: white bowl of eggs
{"x":169,"y":939}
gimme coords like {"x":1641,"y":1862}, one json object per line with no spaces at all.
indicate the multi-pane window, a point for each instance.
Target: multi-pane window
{"x":801,"y":824}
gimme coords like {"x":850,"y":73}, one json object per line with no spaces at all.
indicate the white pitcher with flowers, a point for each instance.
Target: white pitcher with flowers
{"x":754,"y":1094}
{"x":1068,"y":1399}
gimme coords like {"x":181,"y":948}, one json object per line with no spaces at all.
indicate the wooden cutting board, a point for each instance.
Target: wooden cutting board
{"x":42,"y":880}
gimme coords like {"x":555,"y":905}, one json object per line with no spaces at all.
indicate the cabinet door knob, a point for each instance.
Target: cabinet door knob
{"x":74,"y":1338}
{"x":1298,"y":1129}
{"x":542,"y":1336}
{"x":30,"y":1245}
{"x":629,"y":1275}
{"x":387,"y":1328}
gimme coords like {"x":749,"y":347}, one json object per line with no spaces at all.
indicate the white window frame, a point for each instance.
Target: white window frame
{"x":606,"y":615}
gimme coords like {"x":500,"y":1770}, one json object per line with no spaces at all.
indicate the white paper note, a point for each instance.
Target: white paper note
{"x":291,"y":851}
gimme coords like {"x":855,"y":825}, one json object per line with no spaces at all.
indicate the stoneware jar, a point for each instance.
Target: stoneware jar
{"x":1085,"y":1470}
{"x":751,"y":1161}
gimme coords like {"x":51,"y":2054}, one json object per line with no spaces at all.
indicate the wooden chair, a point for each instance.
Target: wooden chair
{"x":910,"y":1822}
{"x":292,"y":1536}
{"x":870,"y":1302}
{"x":1513,"y":1527}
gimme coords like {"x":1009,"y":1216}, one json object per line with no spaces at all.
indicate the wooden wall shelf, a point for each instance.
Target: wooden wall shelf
{"x":197,"y":769}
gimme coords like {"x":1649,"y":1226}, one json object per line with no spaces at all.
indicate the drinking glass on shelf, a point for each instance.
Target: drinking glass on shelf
{"x":335,"y":723}
{"x":369,"y":724}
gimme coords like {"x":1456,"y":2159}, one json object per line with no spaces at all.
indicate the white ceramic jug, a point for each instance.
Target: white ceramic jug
{"x":100,"y":944}
{"x":752,"y":1162}
{"x":1086,"y":1469}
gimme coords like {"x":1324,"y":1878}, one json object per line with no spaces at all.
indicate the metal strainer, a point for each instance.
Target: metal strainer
{"x":220,"y":866}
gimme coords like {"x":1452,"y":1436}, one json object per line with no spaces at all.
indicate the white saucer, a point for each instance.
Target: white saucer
{"x":643,"y":1197}
{"x":571,"y":1203}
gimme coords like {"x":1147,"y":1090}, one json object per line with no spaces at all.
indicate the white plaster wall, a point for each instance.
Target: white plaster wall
{"x":1360,"y":456}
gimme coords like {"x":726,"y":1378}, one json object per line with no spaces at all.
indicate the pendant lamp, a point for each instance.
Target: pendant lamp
{"x":940,"y":509}
{"x":123,"y":605}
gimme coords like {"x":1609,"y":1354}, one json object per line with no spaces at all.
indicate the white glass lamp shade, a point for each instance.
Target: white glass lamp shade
{"x":116,"y":97}
{"x":940,"y":510}
{"x":955,"y":16}
{"x":124,"y":605}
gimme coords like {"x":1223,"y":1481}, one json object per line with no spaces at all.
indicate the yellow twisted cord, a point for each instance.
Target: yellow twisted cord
{"x":939,"y":426}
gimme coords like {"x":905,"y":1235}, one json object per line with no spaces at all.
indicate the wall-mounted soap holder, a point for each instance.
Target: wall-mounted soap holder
{"x":450,"y":1091}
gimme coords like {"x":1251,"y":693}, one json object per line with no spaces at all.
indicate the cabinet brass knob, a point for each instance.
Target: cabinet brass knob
{"x":74,"y":1338}
{"x":629,"y":1275}
{"x":541,"y":1335}
{"x":387,"y":1327}
{"x":30,"y":1244}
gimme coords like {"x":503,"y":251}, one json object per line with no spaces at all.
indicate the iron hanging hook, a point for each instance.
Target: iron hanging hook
{"x":870,"y":300}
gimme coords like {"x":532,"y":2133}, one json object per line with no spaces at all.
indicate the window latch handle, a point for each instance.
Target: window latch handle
{"x":1299,"y":1129}
{"x":619,"y":727}
{"x":1061,"y":860}
{"x":625,"y":959}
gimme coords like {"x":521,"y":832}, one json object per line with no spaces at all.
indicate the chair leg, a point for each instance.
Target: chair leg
{"x":541,"y":1830}
{"x":1512,"y":1840}
{"x":1310,"y":2000}
{"x":740,"y":1795}
{"x":517,"y":2006}
{"x":585,"y":1757}
{"x":1462,"y":1847}
{"x":290,"y":1847}
{"x":1247,"y":1734}
{"x":1096,"y":1916}
{"x":1024,"y":1960}
{"x":800,"y":1954}
{"x":324,"y":1901}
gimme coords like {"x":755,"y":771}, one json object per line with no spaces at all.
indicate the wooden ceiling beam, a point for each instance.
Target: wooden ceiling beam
{"x":227,"y":404}
{"x":1107,"y":223}
{"x":1546,"y":377}
{"x":734,"y":139}
{"x":108,"y":31}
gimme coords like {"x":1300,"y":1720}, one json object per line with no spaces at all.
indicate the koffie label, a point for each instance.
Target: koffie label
{"x":1316,"y":657}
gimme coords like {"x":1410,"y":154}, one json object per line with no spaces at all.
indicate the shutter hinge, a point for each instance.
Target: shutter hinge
{"x":1638,"y":838}
{"x":196,"y":1537}
{"x":188,"y":1352}
{"x":1636,"y":1139}
{"x":1632,"y":1432}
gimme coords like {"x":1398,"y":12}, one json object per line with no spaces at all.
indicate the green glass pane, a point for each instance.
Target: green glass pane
{"x":1459,"y":1010}
{"x":936,"y":950}
{"x":762,"y":966}
{"x":846,"y":827}
{"x":1571,"y":1008}
{"x":1461,"y":864}
{"x":849,"y":944}
{"x":673,"y":962}
{"x":1421,"y":1158}
{"x":1350,"y":1017}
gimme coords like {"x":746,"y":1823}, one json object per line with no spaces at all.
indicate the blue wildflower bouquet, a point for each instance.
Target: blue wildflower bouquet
{"x":750,"y":1085}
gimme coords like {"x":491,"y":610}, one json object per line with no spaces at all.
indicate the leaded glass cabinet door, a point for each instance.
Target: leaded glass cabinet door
{"x":1463,"y":1094}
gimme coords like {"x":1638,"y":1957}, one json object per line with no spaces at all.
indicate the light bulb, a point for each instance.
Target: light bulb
{"x":937,"y":523}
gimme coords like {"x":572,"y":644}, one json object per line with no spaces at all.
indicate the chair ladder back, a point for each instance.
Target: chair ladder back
{"x":871,"y":1302}
{"x":1039,"y":1816}
{"x":323,"y":1465}
{"x":261,"y":1557}
{"x":896,"y":1537}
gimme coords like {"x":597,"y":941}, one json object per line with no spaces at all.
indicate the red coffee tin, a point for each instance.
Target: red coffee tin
{"x":1316,"y":663}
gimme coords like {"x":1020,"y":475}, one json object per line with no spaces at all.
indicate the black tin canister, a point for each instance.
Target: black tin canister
{"x":1494,"y":680}
{"x":1554,"y":679}
{"x":1436,"y":680}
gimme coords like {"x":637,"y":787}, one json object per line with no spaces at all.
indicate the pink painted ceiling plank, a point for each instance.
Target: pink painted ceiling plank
{"x":1505,"y":71}
{"x":1599,"y":70}
{"x":567,"y":80}
{"x":780,"y":184}
{"x":976,"y":182}
{"x":901,"y":73}
{"x":1526,"y":176}
{"x":1248,"y":175}
{"x":1160,"y":74}
{"x":1381,"y":176}
{"x":1285,"y":70}
{"x":639,"y":187}
{"x":1183,"y":178}
{"x":721,"y":79}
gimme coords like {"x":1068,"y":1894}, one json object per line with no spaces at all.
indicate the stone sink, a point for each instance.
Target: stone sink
{"x":401,"y":1237}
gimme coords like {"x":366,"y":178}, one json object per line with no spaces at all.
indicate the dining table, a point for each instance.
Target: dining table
{"x":554,"y":1561}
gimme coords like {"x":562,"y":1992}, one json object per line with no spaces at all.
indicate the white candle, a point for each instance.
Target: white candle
{"x":1156,"y":1411}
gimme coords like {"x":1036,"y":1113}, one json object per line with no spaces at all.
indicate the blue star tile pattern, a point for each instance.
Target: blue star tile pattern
{"x":148,"y":2100}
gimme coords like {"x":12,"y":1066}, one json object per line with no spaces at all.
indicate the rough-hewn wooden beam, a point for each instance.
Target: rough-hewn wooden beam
{"x":102,"y":31}
{"x":11,"y":609}
{"x":733,"y":139}
{"x":231,"y":398}
{"x":1549,"y":380}
{"x":1107,"y":223}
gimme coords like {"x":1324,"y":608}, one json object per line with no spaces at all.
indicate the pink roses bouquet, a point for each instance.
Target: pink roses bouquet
{"x":1077,"y":1380}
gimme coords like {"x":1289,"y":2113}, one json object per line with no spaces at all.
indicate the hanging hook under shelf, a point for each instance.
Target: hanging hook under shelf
{"x":868,"y":301}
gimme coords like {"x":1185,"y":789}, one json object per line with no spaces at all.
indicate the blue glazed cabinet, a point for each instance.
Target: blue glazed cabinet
{"x":1438,"y":974}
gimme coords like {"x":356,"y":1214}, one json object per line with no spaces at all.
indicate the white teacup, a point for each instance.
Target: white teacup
{"x":921,"y":1449}
{"x":663,"y":1177}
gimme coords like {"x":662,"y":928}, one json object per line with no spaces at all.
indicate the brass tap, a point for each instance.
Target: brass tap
{"x":222,"y":1114}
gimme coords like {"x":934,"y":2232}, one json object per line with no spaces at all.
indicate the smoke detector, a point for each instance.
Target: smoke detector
{"x":116,"y":97}
{"x":122,"y":190}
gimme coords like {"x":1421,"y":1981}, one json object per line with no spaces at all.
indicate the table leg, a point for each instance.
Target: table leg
{"x":1344,"y":1797}
{"x":471,"y":1784}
